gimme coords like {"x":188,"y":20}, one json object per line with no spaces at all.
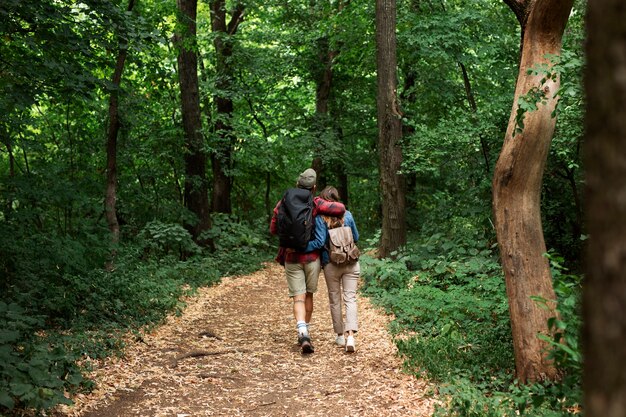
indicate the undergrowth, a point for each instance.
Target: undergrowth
{"x":452,"y":326}
{"x":57,"y":311}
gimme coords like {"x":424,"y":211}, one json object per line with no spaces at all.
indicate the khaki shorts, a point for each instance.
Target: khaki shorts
{"x":302,"y":278}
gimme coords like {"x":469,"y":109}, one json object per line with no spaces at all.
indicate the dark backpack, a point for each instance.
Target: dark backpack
{"x":295,"y":219}
{"x":341,"y":247}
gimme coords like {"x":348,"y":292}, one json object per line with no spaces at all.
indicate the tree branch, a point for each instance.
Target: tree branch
{"x":236,"y":19}
{"x":520,"y":8}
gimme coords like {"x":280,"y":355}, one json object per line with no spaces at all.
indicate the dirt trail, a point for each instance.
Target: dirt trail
{"x":233,"y":352}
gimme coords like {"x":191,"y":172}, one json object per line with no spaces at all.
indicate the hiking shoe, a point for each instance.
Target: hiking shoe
{"x":350,"y":344}
{"x":340,"y":340}
{"x":305,"y":344}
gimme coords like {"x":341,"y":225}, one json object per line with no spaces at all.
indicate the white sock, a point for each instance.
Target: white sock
{"x":302,"y":328}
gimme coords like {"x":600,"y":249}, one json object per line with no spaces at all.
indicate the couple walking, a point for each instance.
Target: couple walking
{"x":302,"y":268}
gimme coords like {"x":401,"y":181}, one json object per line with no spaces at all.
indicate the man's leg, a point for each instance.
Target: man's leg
{"x":300,"y":313}
{"x":308,"y":306}
{"x":296,"y":281}
{"x":312,"y":274}
{"x":299,"y":307}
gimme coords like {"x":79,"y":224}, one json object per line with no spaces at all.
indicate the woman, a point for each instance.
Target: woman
{"x":341,"y":280}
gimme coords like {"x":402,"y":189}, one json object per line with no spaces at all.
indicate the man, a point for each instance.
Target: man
{"x":302,"y":269}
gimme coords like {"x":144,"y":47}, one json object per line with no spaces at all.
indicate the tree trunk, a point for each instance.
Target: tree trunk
{"x":196,"y":193}
{"x":324,"y":82}
{"x":604,"y":299}
{"x":389,"y":131}
{"x":323,"y":76}
{"x":8,"y":207}
{"x":341,"y":174}
{"x":111,"y":148}
{"x":221,"y":158}
{"x":517,"y":189}
{"x":474,"y":109}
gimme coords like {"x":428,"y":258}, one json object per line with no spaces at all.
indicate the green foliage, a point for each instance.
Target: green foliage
{"x":66,"y":307}
{"x":37,"y":266}
{"x":467,"y":399}
{"x":239,"y":246}
{"x":161,"y":239}
{"x":563,"y":182}
{"x":450,"y":294}
{"x":34,"y":370}
{"x":452,"y":326}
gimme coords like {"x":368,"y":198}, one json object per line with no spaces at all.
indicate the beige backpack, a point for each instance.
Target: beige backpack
{"x":341,"y":247}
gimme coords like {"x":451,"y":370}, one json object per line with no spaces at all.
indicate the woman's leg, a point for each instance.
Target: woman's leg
{"x":350,"y":282}
{"x":333,"y":283}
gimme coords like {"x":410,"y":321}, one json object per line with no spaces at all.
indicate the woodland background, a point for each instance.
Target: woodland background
{"x":123,"y":186}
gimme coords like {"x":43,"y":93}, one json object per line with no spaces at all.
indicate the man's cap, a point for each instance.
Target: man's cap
{"x":307,"y":179}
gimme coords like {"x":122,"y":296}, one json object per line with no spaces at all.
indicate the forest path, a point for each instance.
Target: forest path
{"x":233,"y":352}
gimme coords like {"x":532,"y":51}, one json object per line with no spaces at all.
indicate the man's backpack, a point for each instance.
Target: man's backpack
{"x":341,"y":247}
{"x":295,"y":219}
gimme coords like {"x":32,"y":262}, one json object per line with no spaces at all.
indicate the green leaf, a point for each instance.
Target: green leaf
{"x":6,"y":400}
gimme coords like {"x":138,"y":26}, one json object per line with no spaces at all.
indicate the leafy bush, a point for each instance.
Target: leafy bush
{"x":452,"y":325}
{"x":455,"y":302}
{"x":62,"y":305}
{"x":239,"y":246}
{"x":162,"y":239}
{"x":34,"y":371}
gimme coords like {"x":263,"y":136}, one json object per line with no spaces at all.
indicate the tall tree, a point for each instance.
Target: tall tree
{"x":327,"y":53}
{"x":517,"y":185}
{"x":389,"y":131}
{"x":114,"y":127}
{"x":604,"y":299}
{"x":221,"y":157}
{"x":196,"y":190}
{"x":324,"y":80}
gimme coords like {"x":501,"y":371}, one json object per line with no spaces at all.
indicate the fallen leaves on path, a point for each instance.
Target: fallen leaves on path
{"x":233,"y":352}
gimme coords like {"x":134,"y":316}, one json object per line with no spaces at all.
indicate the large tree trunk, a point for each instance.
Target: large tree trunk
{"x":111,"y":148}
{"x":221,"y":158}
{"x":517,"y":189}
{"x":389,"y":131}
{"x":604,"y":300}
{"x":196,"y":193}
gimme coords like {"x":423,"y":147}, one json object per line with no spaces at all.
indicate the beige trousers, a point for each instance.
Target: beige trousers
{"x":342,"y":282}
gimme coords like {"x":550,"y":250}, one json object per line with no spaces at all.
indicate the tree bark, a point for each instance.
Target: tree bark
{"x":196,"y":192}
{"x":517,"y":190}
{"x":604,"y":289}
{"x":389,"y":131}
{"x":324,"y":81}
{"x":221,"y":158}
{"x":110,"y":198}
{"x":323,"y":76}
